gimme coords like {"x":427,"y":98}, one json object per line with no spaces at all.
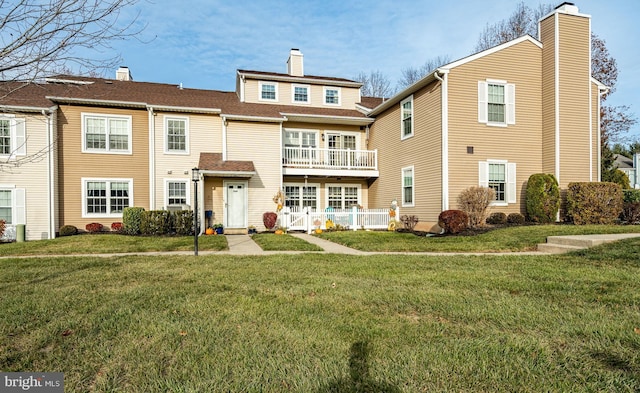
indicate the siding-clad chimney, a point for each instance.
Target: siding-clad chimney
{"x":295,"y":64}
{"x":123,"y":74}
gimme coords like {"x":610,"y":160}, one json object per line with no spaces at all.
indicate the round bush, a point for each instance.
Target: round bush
{"x":515,"y":219}
{"x":453,"y":221}
{"x":68,"y":230}
{"x":543,"y":198}
{"x":497,"y":218}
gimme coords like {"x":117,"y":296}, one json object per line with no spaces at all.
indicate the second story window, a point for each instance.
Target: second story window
{"x":106,"y":134}
{"x":496,"y":103}
{"x":301,"y":94}
{"x":12,"y":136}
{"x":332,"y":95}
{"x":406,"y":112}
{"x":268,"y":91}
{"x":176,"y":135}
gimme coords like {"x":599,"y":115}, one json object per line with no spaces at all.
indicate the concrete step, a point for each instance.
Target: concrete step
{"x":551,"y":248}
{"x":235,"y":231}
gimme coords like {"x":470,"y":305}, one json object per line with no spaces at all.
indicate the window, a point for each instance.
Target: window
{"x":343,"y":197}
{"x":332,"y":95}
{"x":176,"y":135}
{"x":12,"y":205}
{"x":12,"y":136}
{"x":298,"y":196}
{"x":177,"y":192}
{"x":406,"y":113}
{"x":6,"y":206}
{"x":300,"y":94}
{"x":300,"y":145}
{"x":501,"y":176}
{"x":106,"y":134}
{"x":496,"y":103}
{"x":408,"y":192}
{"x":268,"y":91}
{"x":106,"y":198}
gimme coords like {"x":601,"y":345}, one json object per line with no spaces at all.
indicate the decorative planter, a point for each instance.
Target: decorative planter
{"x":219,"y":231}
{"x":252,"y":231}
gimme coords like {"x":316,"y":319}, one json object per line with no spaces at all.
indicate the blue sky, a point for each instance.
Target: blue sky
{"x":203,"y":43}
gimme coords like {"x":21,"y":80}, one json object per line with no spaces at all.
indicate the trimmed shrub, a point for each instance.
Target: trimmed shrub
{"x":155,"y":222}
{"x":3,"y":226}
{"x":94,"y":227}
{"x":543,"y":198}
{"x":631,"y":195}
{"x":594,"y":203}
{"x":497,"y":218}
{"x":409,"y":222}
{"x":117,"y":227}
{"x":269,"y":220}
{"x":515,"y":219}
{"x":453,"y":221}
{"x":475,"y":202}
{"x":68,"y":230}
{"x":621,"y":178}
{"x":131,"y":219}
{"x":183,"y":222}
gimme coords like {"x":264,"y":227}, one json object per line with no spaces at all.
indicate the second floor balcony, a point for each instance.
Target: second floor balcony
{"x":329,"y":162}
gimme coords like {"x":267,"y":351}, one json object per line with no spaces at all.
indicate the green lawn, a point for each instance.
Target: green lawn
{"x":284,"y":242}
{"x":327,"y":323}
{"x":519,"y":238}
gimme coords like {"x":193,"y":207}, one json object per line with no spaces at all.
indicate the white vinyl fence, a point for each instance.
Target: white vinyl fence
{"x":307,"y":219}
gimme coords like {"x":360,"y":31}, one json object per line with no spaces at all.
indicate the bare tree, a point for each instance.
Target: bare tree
{"x":524,"y":20}
{"x":411,"y":75}
{"x":374,"y":84}
{"x":38,"y":36}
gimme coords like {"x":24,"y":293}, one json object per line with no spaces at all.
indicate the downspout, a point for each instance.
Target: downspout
{"x":224,"y":138}
{"x":445,"y":136}
{"x":51,"y":171}
{"x":600,"y":95}
{"x":152,"y":158}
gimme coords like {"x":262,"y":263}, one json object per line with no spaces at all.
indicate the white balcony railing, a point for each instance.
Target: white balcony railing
{"x":312,"y":157}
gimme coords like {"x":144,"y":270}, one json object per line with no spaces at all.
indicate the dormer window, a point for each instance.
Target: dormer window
{"x":268,"y":91}
{"x":332,"y":95}
{"x":300,"y":94}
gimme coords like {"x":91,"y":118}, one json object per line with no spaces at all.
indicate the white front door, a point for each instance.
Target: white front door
{"x":236,"y":204}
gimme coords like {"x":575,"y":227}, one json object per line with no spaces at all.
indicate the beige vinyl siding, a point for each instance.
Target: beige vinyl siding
{"x":265,"y":154}
{"x":547,"y":35}
{"x":423,"y":151}
{"x":349,"y":96}
{"x":33,"y":176}
{"x":520,"y":143}
{"x":205,"y":135}
{"x":575,"y":70}
{"x":75,"y":165}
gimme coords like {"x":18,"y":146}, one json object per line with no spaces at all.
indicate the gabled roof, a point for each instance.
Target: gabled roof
{"x":431,"y":76}
{"x":623,"y":162}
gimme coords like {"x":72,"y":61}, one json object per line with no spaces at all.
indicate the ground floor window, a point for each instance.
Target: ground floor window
{"x":176,"y":192}
{"x":501,"y":177}
{"x":407,"y":186}
{"x":343,"y":196}
{"x":103,"y":198}
{"x":6,"y":206}
{"x":299,"y":196}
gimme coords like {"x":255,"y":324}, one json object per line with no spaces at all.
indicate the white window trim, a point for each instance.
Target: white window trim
{"x":166,"y":135}
{"x":18,"y":204}
{"x":316,"y":185}
{"x":357,"y":136}
{"x":324,"y":96}
{"x":106,"y":150}
{"x":413,"y":186}
{"x":177,"y":180}
{"x":17,"y":136}
{"x":262,"y":83}
{"x":413,"y":129}
{"x":510,"y":181}
{"x":85,"y":180}
{"x":293,"y":94}
{"x":509,"y":101}
{"x":341,"y":185}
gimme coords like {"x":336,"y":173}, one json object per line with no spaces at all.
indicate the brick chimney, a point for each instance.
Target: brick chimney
{"x":295,"y":64}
